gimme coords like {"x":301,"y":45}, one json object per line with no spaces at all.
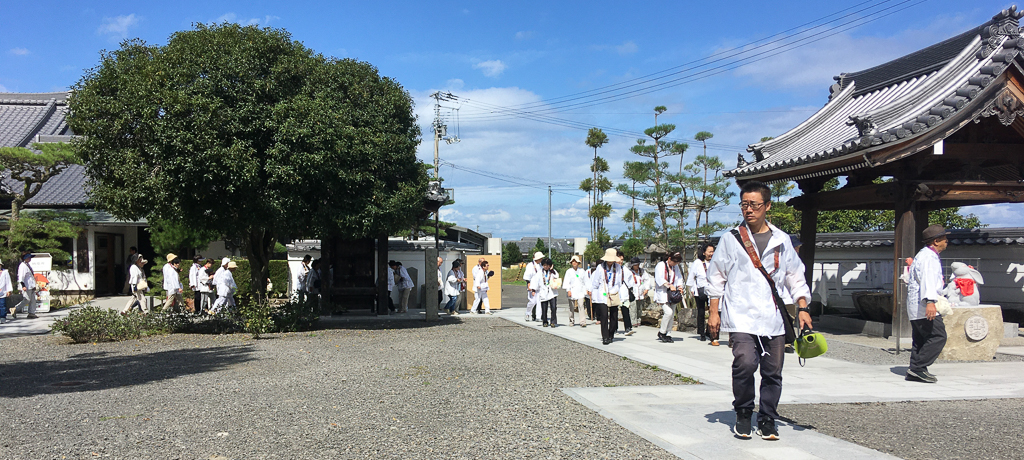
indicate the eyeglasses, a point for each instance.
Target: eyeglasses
{"x":751,"y":205}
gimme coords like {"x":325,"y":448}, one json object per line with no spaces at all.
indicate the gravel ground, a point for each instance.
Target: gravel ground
{"x":984,"y":429}
{"x":480,"y":388}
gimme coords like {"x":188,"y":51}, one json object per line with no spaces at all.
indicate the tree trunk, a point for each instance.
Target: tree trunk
{"x":259,"y":247}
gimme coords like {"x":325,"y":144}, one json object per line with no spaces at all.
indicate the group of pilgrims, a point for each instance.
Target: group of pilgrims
{"x":610,"y":286}
{"x":214,"y":290}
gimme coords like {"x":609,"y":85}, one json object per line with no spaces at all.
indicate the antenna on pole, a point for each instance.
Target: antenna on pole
{"x":440,"y":132}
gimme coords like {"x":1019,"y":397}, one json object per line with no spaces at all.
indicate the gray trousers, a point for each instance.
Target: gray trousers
{"x":28,"y":304}
{"x":747,"y":355}
{"x":929,"y":337}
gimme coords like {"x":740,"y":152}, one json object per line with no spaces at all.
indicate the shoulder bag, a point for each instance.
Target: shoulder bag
{"x":675,"y":296}
{"x":787,"y":321}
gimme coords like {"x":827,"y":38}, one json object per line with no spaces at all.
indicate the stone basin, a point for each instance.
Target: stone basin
{"x":874,"y":305}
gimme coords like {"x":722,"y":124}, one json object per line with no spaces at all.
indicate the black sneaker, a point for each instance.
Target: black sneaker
{"x":766,"y":429}
{"x":929,"y":375}
{"x":667,"y":339}
{"x":789,"y":348}
{"x":661,"y":337}
{"x":920,"y":377}
{"x":742,"y":427}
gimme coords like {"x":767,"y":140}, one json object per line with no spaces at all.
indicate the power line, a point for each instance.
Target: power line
{"x":512,"y":111}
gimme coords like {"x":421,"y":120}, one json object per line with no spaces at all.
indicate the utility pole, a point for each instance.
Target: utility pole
{"x":440,"y":132}
{"x":549,"y":221}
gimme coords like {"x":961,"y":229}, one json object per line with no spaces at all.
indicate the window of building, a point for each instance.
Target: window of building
{"x":82,"y":253}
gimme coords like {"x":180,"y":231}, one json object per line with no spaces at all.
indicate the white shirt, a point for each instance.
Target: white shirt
{"x":172,"y":283}
{"x":26,"y":276}
{"x":746,"y":298}
{"x":603,"y":283}
{"x":698,"y":276}
{"x":577,"y":283}
{"x":134,"y":276}
{"x":217,"y":275}
{"x":405,"y":281}
{"x":204,"y":279}
{"x":391,"y":279}
{"x":440,"y":279}
{"x":542,"y":284}
{"x":5,"y":283}
{"x":531,"y":270}
{"x":637,"y":282}
{"x":925,"y":283}
{"x":301,"y":284}
{"x":480,"y":279}
{"x":226,"y":286}
{"x":452,"y":285}
{"x":193,"y":276}
{"x":663,"y":276}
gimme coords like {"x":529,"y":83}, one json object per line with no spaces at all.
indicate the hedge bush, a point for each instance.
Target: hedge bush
{"x":93,"y":324}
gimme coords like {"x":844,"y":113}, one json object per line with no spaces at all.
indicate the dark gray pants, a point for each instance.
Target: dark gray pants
{"x":929,"y":338}
{"x":747,"y":357}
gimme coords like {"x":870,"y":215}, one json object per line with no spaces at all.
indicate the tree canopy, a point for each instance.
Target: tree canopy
{"x":244,"y":132}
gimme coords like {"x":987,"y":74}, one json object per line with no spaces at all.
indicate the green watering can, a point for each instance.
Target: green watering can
{"x":810,"y":344}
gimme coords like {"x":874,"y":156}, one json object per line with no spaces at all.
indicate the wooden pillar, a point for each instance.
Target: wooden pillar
{"x":382,"y":274}
{"x":905,"y":245}
{"x":808,"y":237}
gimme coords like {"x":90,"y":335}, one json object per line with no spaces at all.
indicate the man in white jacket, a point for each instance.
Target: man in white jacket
{"x":226,"y":288}
{"x":749,"y":311}
{"x":172,"y":283}
{"x":528,"y":274}
{"x":923,"y":290}
{"x":481,"y":273}
{"x":27,"y":283}
{"x":5,"y":292}
{"x":577,"y":286}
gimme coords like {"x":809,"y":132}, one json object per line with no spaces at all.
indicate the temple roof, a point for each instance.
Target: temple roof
{"x":893,"y":102}
{"x":28,"y":118}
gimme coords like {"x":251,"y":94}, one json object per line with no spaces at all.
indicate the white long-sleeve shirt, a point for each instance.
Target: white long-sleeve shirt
{"x":226,"y":286}
{"x":531,"y":270}
{"x":576,"y":283}
{"x":663,"y":277}
{"x":203,"y":278}
{"x":172,"y":283}
{"x":303,"y":277}
{"x":26,"y":276}
{"x":637,"y":283}
{"x":747,"y":304}
{"x":193,"y":276}
{"x":452,"y":285}
{"x":134,"y":276}
{"x":480,"y":279}
{"x":698,"y":276}
{"x":405,"y":281}
{"x":542,"y":284}
{"x":5,"y":283}
{"x":391,"y":279}
{"x":925,"y":282}
{"x":604,"y":282}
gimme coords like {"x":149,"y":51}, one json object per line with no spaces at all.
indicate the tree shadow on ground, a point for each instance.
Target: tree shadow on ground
{"x":104,"y":370}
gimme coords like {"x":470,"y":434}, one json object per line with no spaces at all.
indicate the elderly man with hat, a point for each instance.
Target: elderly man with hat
{"x":5,"y":291}
{"x":577,"y":286}
{"x":172,"y":283}
{"x":529,"y":273}
{"x":923,"y":290}
{"x":27,"y":283}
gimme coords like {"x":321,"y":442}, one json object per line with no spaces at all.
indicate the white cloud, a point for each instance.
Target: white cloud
{"x":232,"y":17}
{"x":524,"y":35}
{"x":454,"y":84}
{"x":813,"y":65}
{"x":627,"y":48}
{"x":491,"y":68}
{"x":118,"y":28}
{"x":499,"y":215}
{"x":19,"y":51}
{"x":3,"y":89}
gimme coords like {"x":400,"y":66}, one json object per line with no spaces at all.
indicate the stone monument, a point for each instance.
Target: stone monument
{"x":973,"y":330}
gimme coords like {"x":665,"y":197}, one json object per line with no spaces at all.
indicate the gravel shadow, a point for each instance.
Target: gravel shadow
{"x":106,"y":370}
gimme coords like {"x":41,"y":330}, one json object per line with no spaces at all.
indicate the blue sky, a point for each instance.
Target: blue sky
{"x":501,"y":55}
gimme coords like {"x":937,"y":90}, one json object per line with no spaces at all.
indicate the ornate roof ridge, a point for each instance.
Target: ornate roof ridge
{"x":60,"y":98}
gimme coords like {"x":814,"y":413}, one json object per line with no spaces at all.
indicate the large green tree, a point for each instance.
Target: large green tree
{"x":245,"y":132}
{"x":31,"y":169}
{"x":657,"y":190}
{"x":598,"y":184}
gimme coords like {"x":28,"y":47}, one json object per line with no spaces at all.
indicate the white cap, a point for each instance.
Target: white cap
{"x":225,"y":261}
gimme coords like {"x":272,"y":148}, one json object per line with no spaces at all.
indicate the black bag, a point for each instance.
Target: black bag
{"x":316,"y":284}
{"x":632,"y":298}
{"x":780,"y":305}
{"x":675,"y":296}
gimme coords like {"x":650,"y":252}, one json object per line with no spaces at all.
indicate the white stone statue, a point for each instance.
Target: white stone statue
{"x":963,"y":285}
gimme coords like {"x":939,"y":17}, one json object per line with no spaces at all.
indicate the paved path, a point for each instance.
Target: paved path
{"x":694,"y":422}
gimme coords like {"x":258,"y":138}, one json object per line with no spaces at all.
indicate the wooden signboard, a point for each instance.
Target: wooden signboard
{"x":493,"y":284}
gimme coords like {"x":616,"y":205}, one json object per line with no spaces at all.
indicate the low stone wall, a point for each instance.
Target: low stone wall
{"x":973,"y":333}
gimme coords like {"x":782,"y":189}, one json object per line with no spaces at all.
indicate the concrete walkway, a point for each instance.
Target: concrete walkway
{"x":695,"y":421}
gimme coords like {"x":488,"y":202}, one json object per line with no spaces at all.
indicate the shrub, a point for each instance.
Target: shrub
{"x":93,"y":324}
{"x":295,"y":317}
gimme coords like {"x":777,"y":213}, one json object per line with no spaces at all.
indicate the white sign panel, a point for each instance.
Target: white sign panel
{"x":41,"y":262}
